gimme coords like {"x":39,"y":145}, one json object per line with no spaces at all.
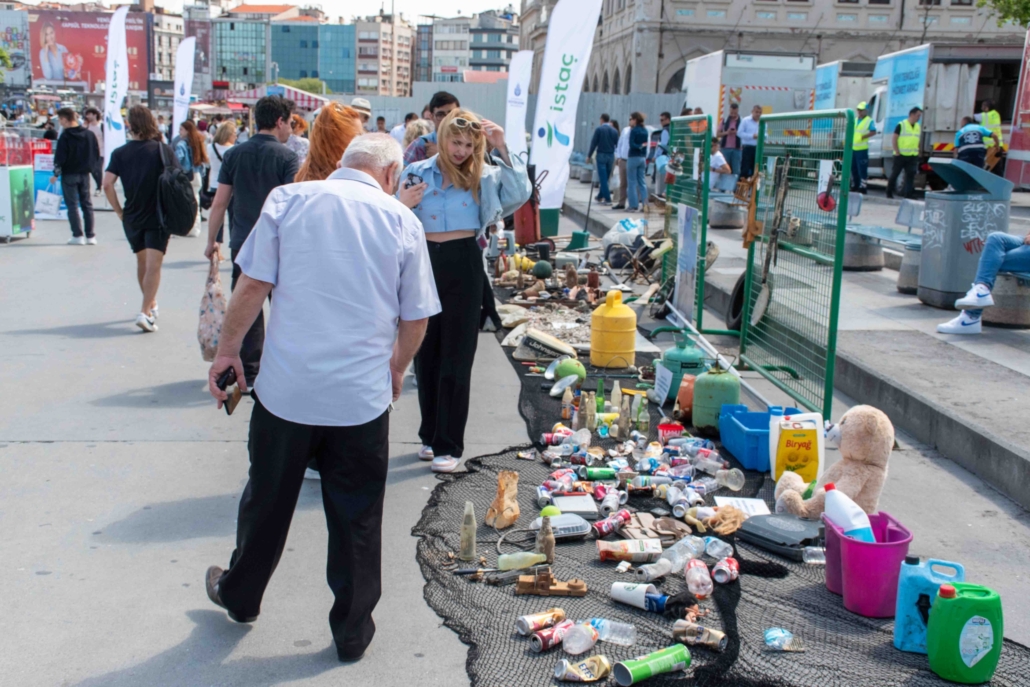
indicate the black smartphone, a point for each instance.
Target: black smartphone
{"x":229,"y":377}
{"x":412,"y":180}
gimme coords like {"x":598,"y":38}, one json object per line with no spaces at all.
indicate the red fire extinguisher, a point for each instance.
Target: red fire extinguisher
{"x":527,"y":217}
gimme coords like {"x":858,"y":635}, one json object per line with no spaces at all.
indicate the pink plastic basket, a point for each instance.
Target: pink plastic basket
{"x":867,"y":574}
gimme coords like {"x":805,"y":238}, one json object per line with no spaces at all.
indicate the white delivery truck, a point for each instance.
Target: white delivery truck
{"x":949,"y":82}
{"x":842,"y":84}
{"x":778,"y":82}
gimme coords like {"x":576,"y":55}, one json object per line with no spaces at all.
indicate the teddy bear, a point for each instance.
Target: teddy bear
{"x":866,"y":439}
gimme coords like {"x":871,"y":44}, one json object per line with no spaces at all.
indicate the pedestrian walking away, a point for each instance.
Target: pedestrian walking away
{"x":296,"y":142}
{"x":603,"y":145}
{"x":249,"y":172}
{"x":1002,"y":253}
{"x":747,"y":131}
{"x":729,"y":141}
{"x":457,"y":196}
{"x":224,"y":139}
{"x":333,"y":130}
{"x":660,"y":154}
{"x":636,"y":164}
{"x":969,"y":142}
{"x":621,"y":155}
{"x":905,"y":143}
{"x":441,"y":104}
{"x":191,"y":152}
{"x":138,"y":164}
{"x":74,"y":161}
{"x":93,"y":116}
{"x":325,"y":390}
{"x":865,"y":129}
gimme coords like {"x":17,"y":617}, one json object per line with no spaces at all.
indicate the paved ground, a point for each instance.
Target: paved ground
{"x":120,"y":483}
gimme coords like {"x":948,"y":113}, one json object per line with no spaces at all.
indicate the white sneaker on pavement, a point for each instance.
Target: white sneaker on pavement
{"x":977,"y":297}
{"x":445,"y":464}
{"x":154,"y":312}
{"x":77,"y":241}
{"x":91,"y":241}
{"x":425,"y":453}
{"x":963,"y":324}
{"x":145,"y":323}
{"x":194,"y":232}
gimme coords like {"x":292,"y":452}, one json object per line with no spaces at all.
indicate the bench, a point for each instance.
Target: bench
{"x":1011,"y":295}
{"x":863,"y":249}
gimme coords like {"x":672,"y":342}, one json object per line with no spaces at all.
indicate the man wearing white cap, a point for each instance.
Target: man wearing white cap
{"x":364,"y":109}
{"x":865,"y":128}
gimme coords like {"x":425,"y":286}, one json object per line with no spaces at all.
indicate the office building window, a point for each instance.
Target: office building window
{"x":303,"y":73}
{"x":926,"y":21}
{"x":929,"y":3}
{"x":766,"y":16}
{"x":962,"y":20}
{"x":961,"y":3}
{"x":879,"y":2}
{"x":303,"y":44}
{"x":879,"y":18}
{"x":716,"y":14}
{"x":797,"y":16}
{"x":847,"y":18}
{"x":286,"y":29}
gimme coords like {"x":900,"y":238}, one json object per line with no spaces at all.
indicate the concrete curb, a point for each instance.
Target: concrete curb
{"x":986,"y":454}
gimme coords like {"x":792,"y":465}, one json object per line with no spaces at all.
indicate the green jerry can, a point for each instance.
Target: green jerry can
{"x":965,"y":633}
{"x":712,"y":390}
{"x":683,"y":358}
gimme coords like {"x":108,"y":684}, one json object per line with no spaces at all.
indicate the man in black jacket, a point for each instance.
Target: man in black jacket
{"x":603,"y":143}
{"x":77,"y":155}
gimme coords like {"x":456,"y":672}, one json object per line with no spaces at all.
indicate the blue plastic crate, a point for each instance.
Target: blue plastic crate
{"x":745,"y":434}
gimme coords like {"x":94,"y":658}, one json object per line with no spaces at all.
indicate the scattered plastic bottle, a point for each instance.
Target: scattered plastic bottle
{"x":579,"y":438}
{"x":717,"y":548}
{"x":699,"y":581}
{"x":733,"y":479}
{"x":814,"y":555}
{"x":580,"y":639}
{"x":623,"y":634}
{"x":642,"y":481}
{"x":644,"y":418}
{"x":712,"y":465}
{"x":685,"y":471}
{"x":848,"y":515}
{"x":468,"y":533}
{"x":705,"y":485}
{"x":517,"y":561}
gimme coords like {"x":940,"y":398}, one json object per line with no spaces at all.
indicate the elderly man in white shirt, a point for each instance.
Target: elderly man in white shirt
{"x":747,"y":132}
{"x":353,"y":290}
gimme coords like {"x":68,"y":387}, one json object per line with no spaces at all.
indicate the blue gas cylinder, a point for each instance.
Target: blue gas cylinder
{"x":918,"y":583}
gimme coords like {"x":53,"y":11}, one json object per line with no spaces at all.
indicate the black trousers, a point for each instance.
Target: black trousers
{"x":254,"y":339}
{"x":747,"y":161}
{"x":489,"y":303}
{"x":75,"y":188}
{"x":443,"y":365}
{"x":976,"y":157}
{"x":353,"y":462}
{"x":910,"y":165}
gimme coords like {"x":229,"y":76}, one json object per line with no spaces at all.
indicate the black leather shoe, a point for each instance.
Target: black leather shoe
{"x":214,"y":573}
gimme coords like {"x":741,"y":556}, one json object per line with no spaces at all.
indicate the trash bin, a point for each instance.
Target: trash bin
{"x":956,"y":224}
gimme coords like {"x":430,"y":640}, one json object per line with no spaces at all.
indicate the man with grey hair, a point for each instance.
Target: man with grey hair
{"x":353,"y":286}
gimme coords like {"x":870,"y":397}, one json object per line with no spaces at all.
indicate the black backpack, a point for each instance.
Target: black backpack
{"x":176,"y":204}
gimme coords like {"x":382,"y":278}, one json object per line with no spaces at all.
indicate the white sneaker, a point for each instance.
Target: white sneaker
{"x":977,"y":297}
{"x":154,"y":312}
{"x":145,"y":323}
{"x":77,"y":241}
{"x":91,"y":241}
{"x":312,"y":474}
{"x":963,"y":324}
{"x":445,"y":464}
{"x":425,"y":453}
{"x":194,"y":232}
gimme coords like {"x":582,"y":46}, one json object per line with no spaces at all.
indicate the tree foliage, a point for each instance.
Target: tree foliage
{"x":310,"y":84}
{"x":5,"y":61}
{"x":1016,"y":11}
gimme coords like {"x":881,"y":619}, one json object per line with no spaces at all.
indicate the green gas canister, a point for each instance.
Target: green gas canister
{"x":712,"y":390}
{"x":965,"y":633}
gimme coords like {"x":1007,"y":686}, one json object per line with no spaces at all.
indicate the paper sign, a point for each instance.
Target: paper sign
{"x":662,"y":381}
{"x":825,"y":172}
{"x":697,"y":163}
{"x":748,"y":506}
{"x":686,"y":260}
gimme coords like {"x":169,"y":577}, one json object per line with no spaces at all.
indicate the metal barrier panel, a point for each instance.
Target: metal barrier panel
{"x":789,"y":327}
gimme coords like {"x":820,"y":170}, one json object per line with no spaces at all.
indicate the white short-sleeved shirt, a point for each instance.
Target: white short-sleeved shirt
{"x":716,"y":161}
{"x":346,"y":261}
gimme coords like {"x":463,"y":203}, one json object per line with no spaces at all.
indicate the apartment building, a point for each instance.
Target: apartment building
{"x":494,"y":39}
{"x":384,"y":47}
{"x":451,"y":39}
{"x":168,"y":33}
{"x":242,"y":50}
{"x":423,"y":57}
{"x":337,"y":51}
{"x":642,"y":46}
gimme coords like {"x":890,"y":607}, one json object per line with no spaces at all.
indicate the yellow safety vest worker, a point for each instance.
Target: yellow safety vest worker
{"x":861,"y":129}
{"x":908,"y":139}
{"x":992,"y":120}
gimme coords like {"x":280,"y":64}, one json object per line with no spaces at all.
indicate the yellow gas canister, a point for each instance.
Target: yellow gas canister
{"x":613,"y":333}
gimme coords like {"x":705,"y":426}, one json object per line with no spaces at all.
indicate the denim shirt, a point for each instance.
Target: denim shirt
{"x":502,"y":191}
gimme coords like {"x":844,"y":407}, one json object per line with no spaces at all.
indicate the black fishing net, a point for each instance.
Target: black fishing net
{"x":841,"y":648}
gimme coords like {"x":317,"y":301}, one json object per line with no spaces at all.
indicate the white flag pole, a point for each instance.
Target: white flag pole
{"x":184,"y":59}
{"x":116,"y":85}
{"x":520,"y":71}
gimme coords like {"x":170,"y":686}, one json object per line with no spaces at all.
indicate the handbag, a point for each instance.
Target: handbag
{"x":48,"y":202}
{"x":212,"y":311}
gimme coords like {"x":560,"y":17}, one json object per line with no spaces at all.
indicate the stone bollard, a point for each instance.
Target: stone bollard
{"x":862,"y":254}
{"x":908,"y":275}
{"x":1011,"y":303}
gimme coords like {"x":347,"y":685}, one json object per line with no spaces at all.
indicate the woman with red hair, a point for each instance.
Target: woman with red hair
{"x":296,"y":142}
{"x":331,"y":132}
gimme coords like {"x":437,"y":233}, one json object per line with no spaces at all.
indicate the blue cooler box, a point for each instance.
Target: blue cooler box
{"x":745,"y":434}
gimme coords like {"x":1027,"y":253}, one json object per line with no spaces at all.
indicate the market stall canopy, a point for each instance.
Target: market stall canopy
{"x":208,"y":109}
{"x":303,"y":99}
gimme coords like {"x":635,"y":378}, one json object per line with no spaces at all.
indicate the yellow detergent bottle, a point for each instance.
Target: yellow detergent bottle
{"x":797,"y":444}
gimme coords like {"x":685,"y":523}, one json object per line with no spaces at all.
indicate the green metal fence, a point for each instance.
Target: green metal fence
{"x":690,"y":146}
{"x":789,"y":326}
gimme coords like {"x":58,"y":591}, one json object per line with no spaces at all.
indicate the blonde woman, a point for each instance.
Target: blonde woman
{"x":224,"y":138}
{"x":416,"y":128}
{"x":457,"y":195}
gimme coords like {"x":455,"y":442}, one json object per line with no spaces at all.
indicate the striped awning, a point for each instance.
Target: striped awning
{"x":303,"y":99}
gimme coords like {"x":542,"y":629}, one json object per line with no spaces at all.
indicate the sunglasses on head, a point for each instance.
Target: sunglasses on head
{"x":462,"y":123}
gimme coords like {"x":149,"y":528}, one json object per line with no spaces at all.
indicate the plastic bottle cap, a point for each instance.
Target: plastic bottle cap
{"x":947,"y":592}
{"x":830,"y":486}
{"x":911,"y":560}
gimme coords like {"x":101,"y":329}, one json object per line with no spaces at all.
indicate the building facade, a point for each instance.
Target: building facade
{"x":451,"y":39}
{"x":423,"y":56}
{"x":337,"y":50}
{"x":168,"y":33}
{"x":295,"y":49}
{"x":494,"y":39}
{"x":642,"y":46}
{"x":384,"y":48}
{"x":243,"y":58}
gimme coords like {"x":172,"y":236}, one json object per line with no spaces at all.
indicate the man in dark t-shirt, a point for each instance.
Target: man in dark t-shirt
{"x":138,"y":164}
{"x":250,"y":171}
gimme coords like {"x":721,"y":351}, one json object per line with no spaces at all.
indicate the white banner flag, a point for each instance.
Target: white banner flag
{"x":570,"y":37}
{"x":184,"y":58}
{"x":116,"y":85}
{"x":520,"y":71}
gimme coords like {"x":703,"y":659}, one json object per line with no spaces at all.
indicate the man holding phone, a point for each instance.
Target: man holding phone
{"x":339,"y":250}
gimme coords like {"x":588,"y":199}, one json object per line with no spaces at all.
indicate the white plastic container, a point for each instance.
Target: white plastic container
{"x":847,"y":515}
{"x":774,"y":438}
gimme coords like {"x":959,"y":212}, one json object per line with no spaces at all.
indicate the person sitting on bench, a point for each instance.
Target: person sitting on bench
{"x":1002,"y":253}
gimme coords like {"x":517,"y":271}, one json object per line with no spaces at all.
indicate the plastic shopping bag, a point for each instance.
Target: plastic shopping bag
{"x":212,"y":312}
{"x":48,"y":202}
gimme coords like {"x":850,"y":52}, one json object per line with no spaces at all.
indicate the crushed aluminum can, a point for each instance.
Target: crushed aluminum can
{"x":726,"y":570}
{"x":590,"y":669}
{"x":528,"y":624}
{"x":550,"y":637}
{"x":694,"y":634}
